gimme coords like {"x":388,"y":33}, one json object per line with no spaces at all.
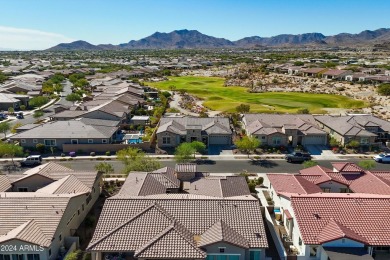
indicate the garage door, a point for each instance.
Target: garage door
{"x":219,"y":139}
{"x":320,"y":139}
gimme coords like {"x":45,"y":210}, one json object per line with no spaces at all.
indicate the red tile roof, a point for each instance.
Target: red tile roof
{"x":330,"y":216}
{"x":346,"y":167}
{"x":289,"y":183}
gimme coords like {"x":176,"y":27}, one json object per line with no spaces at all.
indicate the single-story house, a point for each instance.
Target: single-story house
{"x":284,"y":130}
{"x":13,"y":100}
{"x":335,"y":74}
{"x":366,"y":129}
{"x":57,"y":133}
{"x":313,"y":72}
{"x":212,"y":131}
{"x":140,"y":120}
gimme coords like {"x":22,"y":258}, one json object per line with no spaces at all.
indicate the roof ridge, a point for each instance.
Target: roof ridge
{"x":122,"y":224}
{"x":377,"y":177}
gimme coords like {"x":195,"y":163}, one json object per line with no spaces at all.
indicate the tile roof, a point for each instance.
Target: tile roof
{"x":167,"y":177}
{"x":351,"y":175}
{"x":186,"y":167}
{"x":68,"y":184}
{"x":221,"y":232}
{"x":289,"y":183}
{"x":224,"y":186}
{"x":28,"y":232}
{"x":179,"y":125}
{"x":267,"y":124}
{"x":5,"y":183}
{"x":67,"y":129}
{"x":17,"y":209}
{"x":141,"y":184}
{"x":128,"y":223}
{"x":329,"y":216}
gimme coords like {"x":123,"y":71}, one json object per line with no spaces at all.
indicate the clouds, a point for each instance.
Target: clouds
{"x":28,"y":39}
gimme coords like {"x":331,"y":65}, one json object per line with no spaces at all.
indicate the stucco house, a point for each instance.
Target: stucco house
{"x":366,"y":129}
{"x":41,"y":211}
{"x":57,"y":133}
{"x":212,"y":131}
{"x":205,"y":220}
{"x":283,"y":130}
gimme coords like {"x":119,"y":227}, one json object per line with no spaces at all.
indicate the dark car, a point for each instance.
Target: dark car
{"x":297,"y":157}
{"x":20,"y":115}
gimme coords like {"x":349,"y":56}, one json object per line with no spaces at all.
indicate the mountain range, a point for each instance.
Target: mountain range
{"x":192,"y":39}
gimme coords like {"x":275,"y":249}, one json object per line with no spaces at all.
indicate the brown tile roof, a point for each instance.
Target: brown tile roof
{"x":161,"y":245}
{"x":167,"y":177}
{"x":128,"y":223}
{"x":289,"y":183}
{"x":17,"y":209}
{"x":228,"y":186}
{"x":5,"y":183}
{"x":68,"y":184}
{"x":28,"y":232}
{"x":335,"y":72}
{"x":329,"y":216}
{"x":221,"y":232}
{"x":186,"y":167}
{"x":141,"y":184}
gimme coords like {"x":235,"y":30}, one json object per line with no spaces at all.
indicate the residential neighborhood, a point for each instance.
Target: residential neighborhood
{"x":178,"y":130}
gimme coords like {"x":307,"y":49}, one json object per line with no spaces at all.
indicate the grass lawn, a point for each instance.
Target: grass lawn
{"x":218,"y":97}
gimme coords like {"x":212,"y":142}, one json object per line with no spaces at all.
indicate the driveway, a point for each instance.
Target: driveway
{"x":219,"y":150}
{"x":321,"y":152}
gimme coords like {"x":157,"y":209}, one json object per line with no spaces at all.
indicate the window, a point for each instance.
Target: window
{"x":35,"y":141}
{"x":78,"y":212}
{"x":90,"y":141}
{"x":5,"y":257}
{"x":50,"y":252}
{"x":104,"y":141}
{"x":300,"y":241}
{"x":82,"y":206}
{"x":344,"y":190}
{"x":222,"y":249}
{"x":263,"y":138}
{"x":254,"y":255}
{"x":326,"y":189}
{"x":74,"y":141}
{"x":60,"y":237}
{"x":17,"y":257}
{"x":364,"y":140}
{"x":22,"y":189}
{"x":276,"y":140}
{"x":166,"y":140}
{"x":89,"y":198}
{"x":33,"y":257}
{"x":50,"y":142}
{"x":23,"y":141}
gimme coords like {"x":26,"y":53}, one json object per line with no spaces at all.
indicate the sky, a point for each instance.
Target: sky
{"x":40,"y":24}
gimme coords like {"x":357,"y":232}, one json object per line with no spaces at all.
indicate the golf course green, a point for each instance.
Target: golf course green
{"x":218,"y":97}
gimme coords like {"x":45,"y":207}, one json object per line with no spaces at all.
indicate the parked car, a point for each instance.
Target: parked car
{"x":3,"y":116}
{"x":297,"y":157}
{"x":20,"y":115}
{"x":382,"y":158}
{"x":32,"y":160}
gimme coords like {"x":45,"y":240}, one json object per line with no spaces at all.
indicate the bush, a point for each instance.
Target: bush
{"x":40,"y":148}
{"x":260,"y":180}
{"x":22,"y":107}
{"x":92,"y":154}
{"x":108,"y":153}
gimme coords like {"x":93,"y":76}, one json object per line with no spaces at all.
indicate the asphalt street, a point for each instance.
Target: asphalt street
{"x":223,"y":166}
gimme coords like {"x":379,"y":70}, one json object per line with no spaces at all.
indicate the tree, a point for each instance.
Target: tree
{"x":40,"y":147}
{"x":187,"y":151}
{"x":38,"y":101}
{"x":4,"y":128}
{"x":247,"y":144}
{"x":73,"y":97}
{"x":308,"y":164}
{"x":299,"y":63}
{"x":353,"y":144}
{"x":11,"y":110}
{"x":136,"y":160}
{"x":367,"y":164}
{"x":243,"y":108}
{"x":303,"y":111}
{"x":384,"y":89}
{"x":15,"y":126}
{"x":58,"y":88}
{"x":104,"y":167}
{"x":11,"y":150}
{"x":166,"y":94}
{"x":2,"y":77}
{"x":38,"y":113}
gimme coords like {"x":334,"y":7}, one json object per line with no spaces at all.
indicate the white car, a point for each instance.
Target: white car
{"x":382,"y":158}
